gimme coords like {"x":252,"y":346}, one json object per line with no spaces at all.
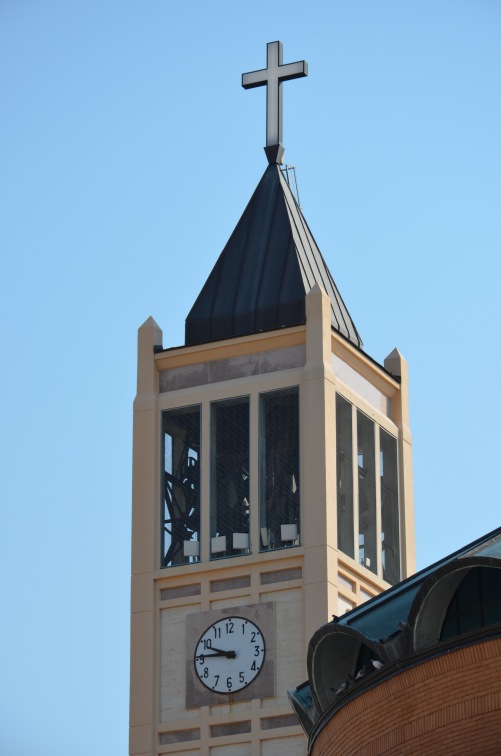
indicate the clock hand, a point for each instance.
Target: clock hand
{"x":228,"y":654}
{"x":218,"y":652}
{"x":221,"y":652}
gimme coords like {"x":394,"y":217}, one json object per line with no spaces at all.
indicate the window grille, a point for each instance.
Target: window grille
{"x":181,"y":485}
{"x":279,"y":469}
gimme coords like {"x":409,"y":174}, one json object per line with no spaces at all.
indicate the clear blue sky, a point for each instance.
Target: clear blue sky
{"x":128,"y":152}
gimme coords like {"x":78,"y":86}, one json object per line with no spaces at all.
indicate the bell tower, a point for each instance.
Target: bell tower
{"x":272,"y":482}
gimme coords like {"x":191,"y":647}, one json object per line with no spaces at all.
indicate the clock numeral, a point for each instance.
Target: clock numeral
{"x":215,"y":642}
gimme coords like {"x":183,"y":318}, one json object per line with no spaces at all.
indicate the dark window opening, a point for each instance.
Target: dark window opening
{"x":230,"y":507}
{"x":181,"y":486}
{"x":476,"y":603}
{"x":367,"y":553}
{"x":279,"y":469}
{"x":358,"y":488}
{"x":344,"y":451}
{"x":390,"y":535}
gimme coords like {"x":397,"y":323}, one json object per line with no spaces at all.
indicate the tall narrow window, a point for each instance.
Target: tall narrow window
{"x":367,"y":533}
{"x":279,"y":469}
{"x":389,"y":507}
{"x":181,"y":485}
{"x":230,"y":506}
{"x":344,"y":452}
{"x":370,"y":491}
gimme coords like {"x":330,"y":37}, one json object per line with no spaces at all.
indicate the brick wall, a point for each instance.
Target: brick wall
{"x":449,"y":705}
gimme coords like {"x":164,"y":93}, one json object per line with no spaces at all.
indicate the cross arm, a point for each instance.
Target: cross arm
{"x":285,"y":73}
{"x":293,"y":70}
{"x":255,"y":79}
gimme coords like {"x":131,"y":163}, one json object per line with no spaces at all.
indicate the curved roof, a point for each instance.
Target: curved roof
{"x":261,"y":278}
{"x":397,"y":628}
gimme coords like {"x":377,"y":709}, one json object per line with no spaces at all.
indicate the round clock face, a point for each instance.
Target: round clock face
{"x":229,"y":655}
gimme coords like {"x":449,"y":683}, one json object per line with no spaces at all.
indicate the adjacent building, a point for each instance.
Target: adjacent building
{"x":414,"y":671}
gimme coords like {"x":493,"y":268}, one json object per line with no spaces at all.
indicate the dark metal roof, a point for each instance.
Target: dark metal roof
{"x":269,"y":264}
{"x":398,"y":628}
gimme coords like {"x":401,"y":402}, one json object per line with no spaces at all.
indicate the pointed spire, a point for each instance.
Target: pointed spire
{"x":263,"y":274}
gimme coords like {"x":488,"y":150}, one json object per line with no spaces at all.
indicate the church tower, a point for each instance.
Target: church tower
{"x":272,"y":482}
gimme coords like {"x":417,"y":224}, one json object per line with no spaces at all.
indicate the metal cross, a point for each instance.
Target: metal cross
{"x":272,"y":77}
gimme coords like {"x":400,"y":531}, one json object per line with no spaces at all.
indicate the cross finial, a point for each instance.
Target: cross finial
{"x":272,"y":77}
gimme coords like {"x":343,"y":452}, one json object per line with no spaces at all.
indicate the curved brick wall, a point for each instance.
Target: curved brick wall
{"x":447,"y":706}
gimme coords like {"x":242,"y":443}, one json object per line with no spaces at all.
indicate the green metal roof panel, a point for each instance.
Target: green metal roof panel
{"x":380,"y":617}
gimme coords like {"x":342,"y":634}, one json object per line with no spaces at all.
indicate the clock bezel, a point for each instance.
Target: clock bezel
{"x":261,"y":657}
{"x":262,"y":686}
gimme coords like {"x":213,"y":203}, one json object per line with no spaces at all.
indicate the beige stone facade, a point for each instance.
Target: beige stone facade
{"x":306,"y":582}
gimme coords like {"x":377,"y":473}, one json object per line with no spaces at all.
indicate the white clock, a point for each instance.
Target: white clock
{"x":229,"y":654}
